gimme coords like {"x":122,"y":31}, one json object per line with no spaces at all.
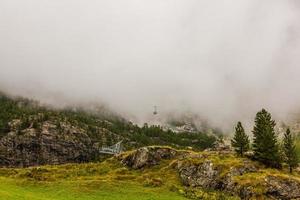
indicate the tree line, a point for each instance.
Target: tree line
{"x":266,"y":146}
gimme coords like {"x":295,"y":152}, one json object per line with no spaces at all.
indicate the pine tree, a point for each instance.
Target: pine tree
{"x":240,"y":142}
{"x":265,"y":145}
{"x":289,"y":149}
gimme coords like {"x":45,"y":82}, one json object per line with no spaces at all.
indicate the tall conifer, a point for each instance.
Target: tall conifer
{"x":289,"y":149}
{"x":240,"y":142}
{"x":265,"y":145}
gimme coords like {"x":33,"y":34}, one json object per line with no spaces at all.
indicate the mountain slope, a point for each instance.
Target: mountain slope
{"x":31,"y":134}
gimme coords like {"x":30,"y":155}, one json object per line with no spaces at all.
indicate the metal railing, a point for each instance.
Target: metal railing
{"x":114,"y":149}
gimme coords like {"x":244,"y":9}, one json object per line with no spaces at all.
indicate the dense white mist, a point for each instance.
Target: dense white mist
{"x":221,"y":59}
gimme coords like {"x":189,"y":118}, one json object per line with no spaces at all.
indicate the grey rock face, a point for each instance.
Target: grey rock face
{"x":280,"y":188}
{"x":46,"y":145}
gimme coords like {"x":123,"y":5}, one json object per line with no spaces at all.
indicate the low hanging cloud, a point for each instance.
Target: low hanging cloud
{"x":221,"y":59}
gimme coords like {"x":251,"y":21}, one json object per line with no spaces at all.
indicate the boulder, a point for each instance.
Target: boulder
{"x":234,"y":188}
{"x":199,"y":175}
{"x":247,"y":167}
{"x":148,"y":156}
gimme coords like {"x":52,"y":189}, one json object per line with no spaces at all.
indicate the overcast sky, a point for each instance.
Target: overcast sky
{"x":222,"y":59}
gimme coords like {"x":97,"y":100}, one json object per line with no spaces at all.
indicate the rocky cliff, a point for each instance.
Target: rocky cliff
{"x":51,"y":143}
{"x":31,"y":134}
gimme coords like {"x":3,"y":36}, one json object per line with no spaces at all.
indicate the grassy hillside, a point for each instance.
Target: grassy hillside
{"x":108,"y":180}
{"x":111,"y":180}
{"x":105,"y":181}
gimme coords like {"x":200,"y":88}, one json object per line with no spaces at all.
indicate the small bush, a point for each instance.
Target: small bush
{"x":154,"y":182}
{"x":36,"y":174}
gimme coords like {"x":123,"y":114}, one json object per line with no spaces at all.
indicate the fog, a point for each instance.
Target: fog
{"x":220,"y":59}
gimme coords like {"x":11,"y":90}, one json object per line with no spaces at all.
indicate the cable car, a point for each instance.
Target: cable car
{"x":155,"y":111}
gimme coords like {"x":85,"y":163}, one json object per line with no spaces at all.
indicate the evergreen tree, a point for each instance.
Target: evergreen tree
{"x":265,"y":145}
{"x":289,"y":149}
{"x":240,"y":142}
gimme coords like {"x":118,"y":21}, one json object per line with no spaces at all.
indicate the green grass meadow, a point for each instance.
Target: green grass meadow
{"x":9,"y":190}
{"x":92,"y":181}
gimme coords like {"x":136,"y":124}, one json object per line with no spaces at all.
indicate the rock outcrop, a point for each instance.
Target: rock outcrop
{"x":200,"y":171}
{"x":207,"y":175}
